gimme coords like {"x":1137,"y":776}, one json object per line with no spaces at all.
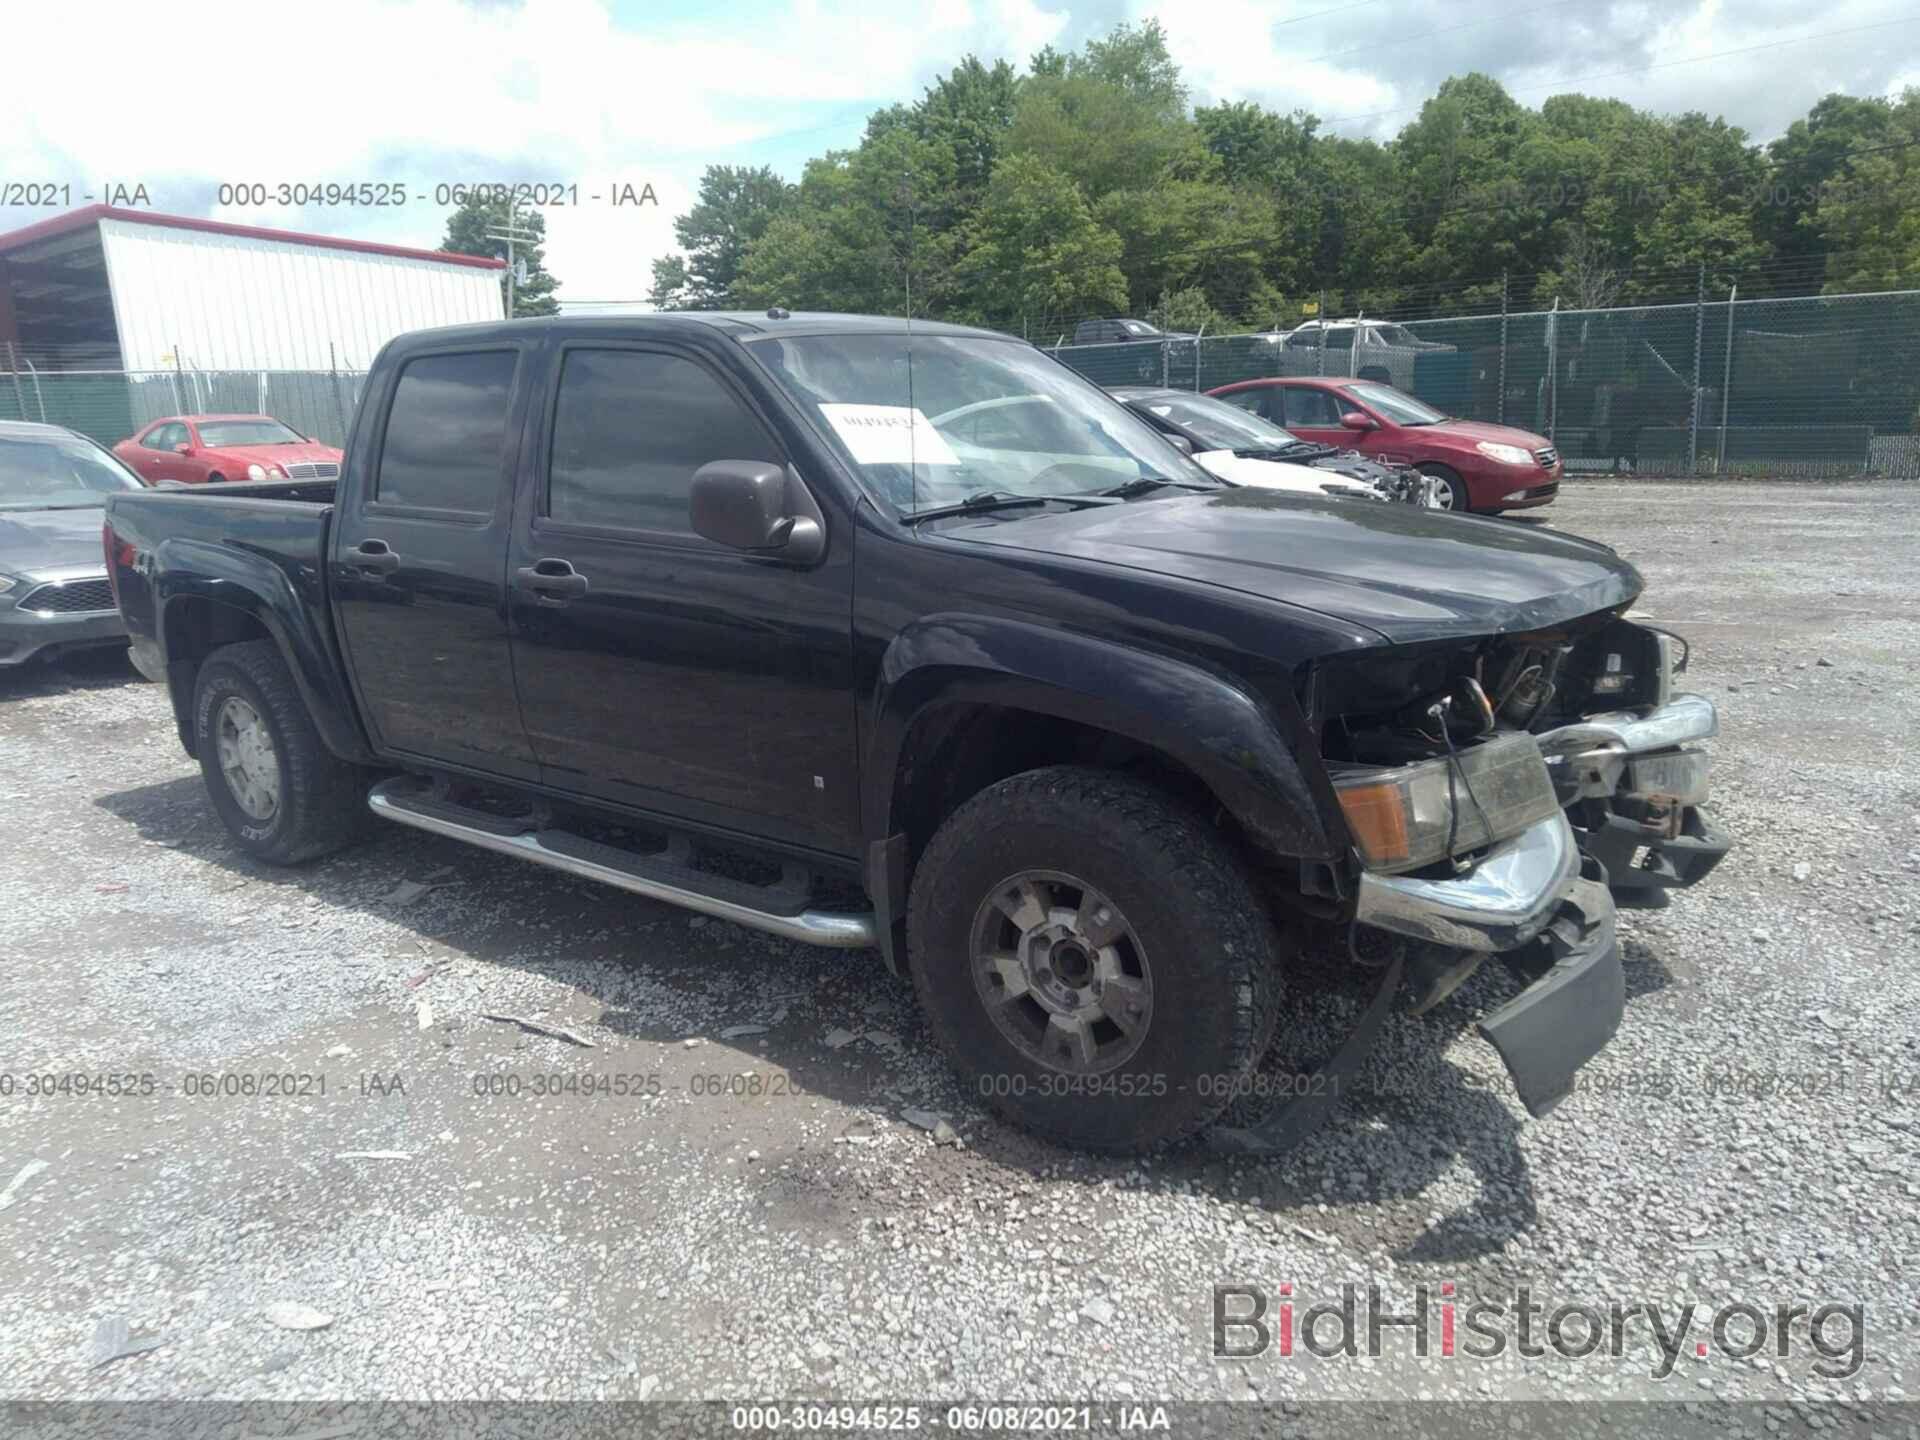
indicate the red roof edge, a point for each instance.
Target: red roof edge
{"x":87,"y":215}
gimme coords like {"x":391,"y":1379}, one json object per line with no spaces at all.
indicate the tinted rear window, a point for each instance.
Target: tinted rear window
{"x":446,"y":432}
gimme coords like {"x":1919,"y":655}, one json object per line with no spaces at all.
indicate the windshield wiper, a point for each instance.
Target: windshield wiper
{"x":981,"y":502}
{"x":1147,"y":484}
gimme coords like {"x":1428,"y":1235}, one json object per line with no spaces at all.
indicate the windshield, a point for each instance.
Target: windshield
{"x":215,"y":434}
{"x":968,"y":415}
{"x":58,"y":474}
{"x":1218,"y":425}
{"x":1396,"y":405}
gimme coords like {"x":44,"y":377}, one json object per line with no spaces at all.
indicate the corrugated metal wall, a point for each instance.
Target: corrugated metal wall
{"x":230,"y":302}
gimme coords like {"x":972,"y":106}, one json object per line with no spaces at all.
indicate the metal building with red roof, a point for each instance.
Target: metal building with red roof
{"x":111,"y":288}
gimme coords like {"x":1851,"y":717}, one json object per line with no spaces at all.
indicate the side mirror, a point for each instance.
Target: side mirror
{"x":1180,"y":443}
{"x":183,"y":449}
{"x":756,"y":505}
{"x":1354,"y":420}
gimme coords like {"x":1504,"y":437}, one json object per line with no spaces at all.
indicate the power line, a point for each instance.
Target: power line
{"x":1644,"y":69}
{"x":1337,"y":10}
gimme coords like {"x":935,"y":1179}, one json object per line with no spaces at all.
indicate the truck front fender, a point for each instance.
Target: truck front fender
{"x":286,"y":606}
{"x":1235,"y":742}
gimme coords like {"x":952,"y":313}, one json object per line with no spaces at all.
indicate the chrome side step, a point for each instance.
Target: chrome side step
{"x":664,"y":878}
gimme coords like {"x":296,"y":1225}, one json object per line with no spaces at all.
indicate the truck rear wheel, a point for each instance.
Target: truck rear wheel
{"x":1092,"y":958}
{"x":284,"y":796}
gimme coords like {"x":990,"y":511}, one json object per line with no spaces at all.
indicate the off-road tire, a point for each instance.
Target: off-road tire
{"x":1449,"y":477}
{"x":1214,"y":953}
{"x":322,"y":799}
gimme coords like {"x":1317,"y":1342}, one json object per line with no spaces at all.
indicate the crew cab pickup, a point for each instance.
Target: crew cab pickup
{"x":865,"y":634}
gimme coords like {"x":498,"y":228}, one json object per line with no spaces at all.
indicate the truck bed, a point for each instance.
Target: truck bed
{"x":223,"y":543}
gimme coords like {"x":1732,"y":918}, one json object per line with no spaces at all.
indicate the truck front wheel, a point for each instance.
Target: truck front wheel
{"x":284,"y":796}
{"x":1092,"y":958}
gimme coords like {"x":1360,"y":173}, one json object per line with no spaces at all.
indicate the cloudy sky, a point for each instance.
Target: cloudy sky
{"x":611,"y":92}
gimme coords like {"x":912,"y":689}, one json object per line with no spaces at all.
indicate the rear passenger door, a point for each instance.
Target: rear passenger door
{"x":418,"y":568}
{"x":659,"y":670}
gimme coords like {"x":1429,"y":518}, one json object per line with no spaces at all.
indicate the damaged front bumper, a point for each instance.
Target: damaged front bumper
{"x":1634,"y":786}
{"x":1527,"y":901}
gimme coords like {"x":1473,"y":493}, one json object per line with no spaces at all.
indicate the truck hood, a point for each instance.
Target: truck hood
{"x":1408,"y":574}
{"x":51,"y":544}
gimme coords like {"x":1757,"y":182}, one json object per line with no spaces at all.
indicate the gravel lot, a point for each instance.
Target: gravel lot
{"x":1749,"y":1136}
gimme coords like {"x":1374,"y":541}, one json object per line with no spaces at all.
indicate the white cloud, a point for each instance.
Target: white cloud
{"x":434,"y":90}
{"x":438,"y":90}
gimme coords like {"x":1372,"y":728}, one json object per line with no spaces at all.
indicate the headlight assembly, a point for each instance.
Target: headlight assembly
{"x":1505,"y":454}
{"x":1411,"y":816}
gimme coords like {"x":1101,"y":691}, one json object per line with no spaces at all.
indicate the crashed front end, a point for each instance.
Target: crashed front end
{"x":1498,"y":792}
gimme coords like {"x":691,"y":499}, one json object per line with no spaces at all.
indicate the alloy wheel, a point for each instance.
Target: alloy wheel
{"x":247,"y":758}
{"x":1061,"y":972}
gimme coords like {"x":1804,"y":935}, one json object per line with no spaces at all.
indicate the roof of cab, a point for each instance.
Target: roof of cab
{"x":743,"y":324}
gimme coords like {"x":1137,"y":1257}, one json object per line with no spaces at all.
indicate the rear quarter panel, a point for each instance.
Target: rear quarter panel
{"x":254,"y":552}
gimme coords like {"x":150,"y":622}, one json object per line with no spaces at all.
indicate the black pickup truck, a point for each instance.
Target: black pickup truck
{"x":911,"y":638}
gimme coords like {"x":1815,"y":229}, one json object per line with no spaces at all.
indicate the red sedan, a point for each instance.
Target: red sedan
{"x":1480,"y":466}
{"x":197,"y":449}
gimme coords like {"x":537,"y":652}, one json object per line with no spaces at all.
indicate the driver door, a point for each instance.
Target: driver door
{"x":658,"y":669}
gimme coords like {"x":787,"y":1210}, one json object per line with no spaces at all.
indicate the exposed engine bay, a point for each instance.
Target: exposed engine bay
{"x":1424,"y":738}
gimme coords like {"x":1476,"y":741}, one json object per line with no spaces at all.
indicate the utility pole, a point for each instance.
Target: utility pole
{"x":512,"y":232}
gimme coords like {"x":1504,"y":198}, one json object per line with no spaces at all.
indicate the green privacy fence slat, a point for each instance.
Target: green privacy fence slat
{"x":111,"y":405}
{"x":1826,"y":384}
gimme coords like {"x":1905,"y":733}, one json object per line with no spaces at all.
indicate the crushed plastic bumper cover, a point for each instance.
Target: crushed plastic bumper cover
{"x":1564,"y":1017}
{"x":1570,"y":1011}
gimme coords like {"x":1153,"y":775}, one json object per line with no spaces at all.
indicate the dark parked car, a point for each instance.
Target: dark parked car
{"x":1243,"y":448}
{"x":757,"y":613}
{"x":1161,"y":353}
{"x":1480,"y":466}
{"x":54,"y":594}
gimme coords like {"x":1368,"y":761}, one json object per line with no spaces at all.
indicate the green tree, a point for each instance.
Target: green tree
{"x":467,"y":234}
{"x":734,"y":208}
{"x":1188,"y":310}
{"x":1192,"y":234}
{"x":1814,"y":151}
{"x":1869,"y":210}
{"x":854,"y":239}
{"x":1112,"y":117}
{"x":1038,"y":251}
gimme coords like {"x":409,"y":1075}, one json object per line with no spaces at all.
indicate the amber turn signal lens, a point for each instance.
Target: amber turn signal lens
{"x":1377,"y":816}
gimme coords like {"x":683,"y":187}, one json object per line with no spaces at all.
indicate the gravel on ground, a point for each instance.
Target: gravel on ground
{"x":320,"y":1171}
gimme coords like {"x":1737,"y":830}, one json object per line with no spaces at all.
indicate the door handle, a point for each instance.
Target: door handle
{"x":373,"y":555}
{"x":552,"y":579}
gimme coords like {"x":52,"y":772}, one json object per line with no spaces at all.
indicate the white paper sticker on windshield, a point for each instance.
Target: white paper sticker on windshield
{"x":889,"y":435}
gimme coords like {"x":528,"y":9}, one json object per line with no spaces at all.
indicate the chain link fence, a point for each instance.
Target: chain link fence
{"x":110,"y":405}
{"x":1821,"y":385}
